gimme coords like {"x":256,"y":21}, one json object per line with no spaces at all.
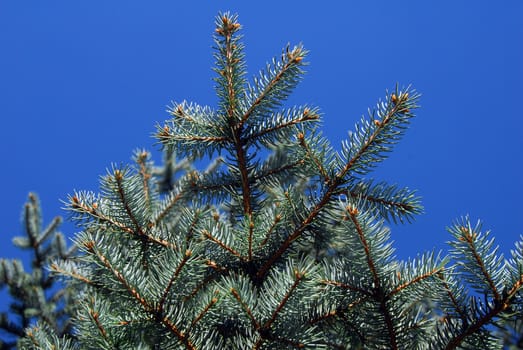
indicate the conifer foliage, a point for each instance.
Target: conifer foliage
{"x":281,"y":243}
{"x":36,"y":295}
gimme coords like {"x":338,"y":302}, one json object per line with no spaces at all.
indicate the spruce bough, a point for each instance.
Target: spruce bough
{"x":281,"y":243}
{"x":36,"y":295}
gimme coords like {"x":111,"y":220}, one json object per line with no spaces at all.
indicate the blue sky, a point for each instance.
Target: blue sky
{"x":82,"y":84}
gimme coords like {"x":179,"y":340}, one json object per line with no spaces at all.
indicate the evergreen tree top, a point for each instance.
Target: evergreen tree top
{"x":280,"y":243}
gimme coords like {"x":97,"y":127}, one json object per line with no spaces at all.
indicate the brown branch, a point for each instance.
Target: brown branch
{"x":194,"y":222}
{"x":146,"y":176}
{"x":161,"y":241}
{"x":221,"y":244}
{"x":206,"y":309}
{"x":254,"y":178}
{"x":121,"y":278}
{"x":251,"y":233}
{"x":164,"y":212}
{"x":378,"y":294}
{"x":319,"y":165}
{"x":306,"y":117}
{"x":293,"y":59}
{"x":175,"y":275}
{"x":353,"y":212}
{"x":277,"y":219}
{"x":118,"y":175}
{"x":515,"y":288}
{"x":236,"y":128}
{"x":342,"y":315}
{"x":469,"y":237}
{"x":94,"y":212}
{"x":179,"y":111}
{"x":245,"y":307}
{"x":206,"y":280}
{"x":271,"y":172}
{"x":401,"y":206}
{"x":345,"y":286}
{"x":258,"y":343}
{"x":415,"y":280}
{"x":299,"y":276}
{"x":297,"y":233}
{"x":332,"y":186}
{"x":31,"y":336}
{"x":325,"y":316}
{"x":212,"y":264}
{"x":99,"y":325}
{"x":379,"y":127}
{"x":499,"y":306}
{"x":264,"y":330}
{"x":228,"y":73}
{"x":453,"y":299}
{"x":244,"y":173}
{"x":182,"y":337}
{"x":77,"y":276}
{"x":389,"y":323}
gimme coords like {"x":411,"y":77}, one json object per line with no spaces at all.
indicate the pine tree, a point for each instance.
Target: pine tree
{"x":281,"y":243}
{"x":36,"y":295}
